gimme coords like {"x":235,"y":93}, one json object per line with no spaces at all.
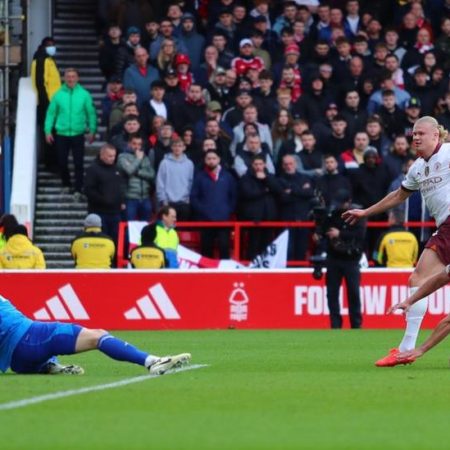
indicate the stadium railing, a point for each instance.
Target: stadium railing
{"x":189,"y":234}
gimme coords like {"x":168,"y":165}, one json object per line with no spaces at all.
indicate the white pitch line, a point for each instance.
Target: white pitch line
{"x":100,"y":387}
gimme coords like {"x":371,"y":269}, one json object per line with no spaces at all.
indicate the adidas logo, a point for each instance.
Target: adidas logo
{"x":66,"y":306}
{"x":157,"y":305}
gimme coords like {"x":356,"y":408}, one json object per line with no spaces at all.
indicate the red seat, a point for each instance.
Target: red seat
{"x":190,"y":239}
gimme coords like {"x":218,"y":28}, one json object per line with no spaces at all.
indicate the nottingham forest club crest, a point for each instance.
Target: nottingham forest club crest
{"x":427,"y":171}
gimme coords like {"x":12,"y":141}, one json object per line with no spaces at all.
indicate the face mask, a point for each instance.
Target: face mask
{"x":51,"y":51}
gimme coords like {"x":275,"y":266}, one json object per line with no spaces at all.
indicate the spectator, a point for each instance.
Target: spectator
{"x":287,"y":18}
{"x":293,"y":146}
{"x":258,"y":191}
{"x":92,"y":249}
{"x":312,"y":104}
{"x":222,"y":140}
{"x":166,"y":235}
{"x":270,"y":38}
{"x":224,"y":55}
{"x":391,"y":39}
{"x":310,"y":158}
{"x":166,"y":32}
{"x":165,"y":59}
{"x":162,"y":146}
{"x":139,"y":175}
{"x":117,"y":108}
{"x":20,"y":253}
{"x":252,"y":146}
{"x":414,"y":56}
{"x":105,"y":190}
{"x":182,"y":65}
{"x":408,"y":31}
{"x":413,"y":112}
{"x":174,"y":180}
{"x":392,"y":64}
{"x":140,"y":75}
{"x":173,"y":95}
{"x":265,"y":97}
{"x":443,"y":42}
{"x":355,"y":79}
{"x":216,"y":89}
{"x":71,"y":111}
{"x":290,"y":79}
{"x":193,"y":41}
{"x":213,"y":199}
{"x":234,"y":115}
{"x":421,"y":89}
{"x":397,"y":157}
{"x":377,"y":137}
{"x":151,"y":33}
{"x":396,"y":247}
{"x":109,"y":50}
{"x":226,"y":26}
{"x":8,"y":223}
{"x":370,"y":183}
{"x":148,"y":255}
{"x":332,"y":182}
{"x":131,"y":126}
{"x":192,"y":109}
{"x":281,"y":132}
{"x":352,"y":19}
{"x":353,"y":113}
{"x":113,"y":97}
{"x":257,"y":39}
{"x":246,"y":58}
{"x":391,"y":115}
{"x":444,"y":117}
{"x":126,"y":53}
{"x":354,"y":157}
{"x":387,"y":83}
{"x":46,"y":82}
{"x":156,"y":105}
{"x":250,"y":116}
{"x":175,"y":14}
{"x":339,"y":140}
{"x":322,"y":127}
{"x":295,"y":205}
{"x":207,"y":69}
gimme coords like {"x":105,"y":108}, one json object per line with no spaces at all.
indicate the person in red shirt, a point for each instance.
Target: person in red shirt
{"x":246,"y":58}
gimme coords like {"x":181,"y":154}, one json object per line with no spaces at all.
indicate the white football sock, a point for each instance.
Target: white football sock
{"x":150,"y":360}
{"x":413,"y":321}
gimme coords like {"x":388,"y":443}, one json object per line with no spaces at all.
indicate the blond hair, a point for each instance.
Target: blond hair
{"x":435,"y":124}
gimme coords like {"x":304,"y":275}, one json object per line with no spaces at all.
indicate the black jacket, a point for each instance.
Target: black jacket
{"x":258,"y":198}
{"x":104,"y":187}
{"x":295,"y":204}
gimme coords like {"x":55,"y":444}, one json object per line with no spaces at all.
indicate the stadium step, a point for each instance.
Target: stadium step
{"x":58,"y":218}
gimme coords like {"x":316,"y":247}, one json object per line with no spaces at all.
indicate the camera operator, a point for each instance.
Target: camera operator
{"x":344,"y":244}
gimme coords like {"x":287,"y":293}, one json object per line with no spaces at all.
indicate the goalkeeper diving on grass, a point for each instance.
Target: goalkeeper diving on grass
{"x":30,"y":347}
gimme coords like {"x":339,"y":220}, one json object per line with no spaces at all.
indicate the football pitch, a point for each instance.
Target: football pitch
{"x":259,"y":390}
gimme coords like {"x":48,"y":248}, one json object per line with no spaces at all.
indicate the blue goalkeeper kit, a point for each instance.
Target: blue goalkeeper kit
{"x":13,"y":325}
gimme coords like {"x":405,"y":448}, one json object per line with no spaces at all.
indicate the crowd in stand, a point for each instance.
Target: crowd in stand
{"x":258,"y":109}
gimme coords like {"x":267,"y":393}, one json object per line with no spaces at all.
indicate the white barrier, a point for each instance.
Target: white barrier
{"x":23,"y":191}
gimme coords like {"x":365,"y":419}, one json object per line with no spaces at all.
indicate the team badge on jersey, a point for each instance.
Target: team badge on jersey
{"x":427,"y":171}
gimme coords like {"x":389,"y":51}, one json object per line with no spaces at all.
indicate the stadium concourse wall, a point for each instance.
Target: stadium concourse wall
{"x":23,"y":191}
{"x":204,"y":299}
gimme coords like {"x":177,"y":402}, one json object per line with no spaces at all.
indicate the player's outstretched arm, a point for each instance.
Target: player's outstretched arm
{"x":391,"y":200}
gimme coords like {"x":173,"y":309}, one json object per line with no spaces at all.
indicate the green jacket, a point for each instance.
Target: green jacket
{"x":138,"y":173}
{"x":71,"y":111}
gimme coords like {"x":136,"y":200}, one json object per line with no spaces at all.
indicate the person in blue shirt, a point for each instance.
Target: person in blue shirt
{"x":28,"y":347}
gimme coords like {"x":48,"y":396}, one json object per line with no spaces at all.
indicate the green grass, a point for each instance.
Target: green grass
{"x":262,"y":390}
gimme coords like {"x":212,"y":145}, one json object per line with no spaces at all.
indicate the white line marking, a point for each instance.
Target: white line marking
{"x":100,"y":387}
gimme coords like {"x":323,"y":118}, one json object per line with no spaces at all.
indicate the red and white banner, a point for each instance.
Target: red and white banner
{"x":132,"y":299}
{"x":274,"y":257}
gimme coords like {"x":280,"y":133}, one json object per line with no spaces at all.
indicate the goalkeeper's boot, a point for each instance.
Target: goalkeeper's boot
{"x":165,"y":363}
{"x":54,"y":368}
{"x":391,"y":359}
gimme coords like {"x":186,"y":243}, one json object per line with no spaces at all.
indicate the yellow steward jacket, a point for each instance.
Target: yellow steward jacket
{"x":20,"y":253}
{"x":148,"y":257}
{"x":93,"y":249}
{"x":166,"y":238}
{"x":52,"y":80}
{"x":397,"y":248}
